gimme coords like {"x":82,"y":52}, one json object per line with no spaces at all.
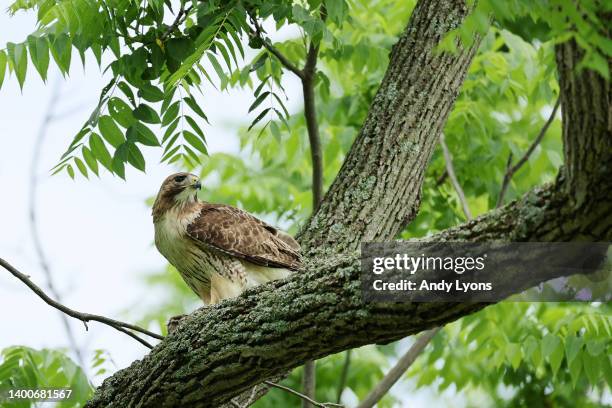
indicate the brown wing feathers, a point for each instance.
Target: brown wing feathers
{"x":238,"y":233}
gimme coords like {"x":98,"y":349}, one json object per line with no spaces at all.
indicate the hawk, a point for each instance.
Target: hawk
{"x":219,"y":250}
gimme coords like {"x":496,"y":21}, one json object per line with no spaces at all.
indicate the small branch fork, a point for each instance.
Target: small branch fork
{"x":302,"y":396}
{"x":84,"y":317}
{"x":512,"y":169}
{"x":307,"y":77}
{"x":398,"y":369}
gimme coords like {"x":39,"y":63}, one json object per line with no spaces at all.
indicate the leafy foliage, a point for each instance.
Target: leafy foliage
{"x":25,"y":368}
{"x":159,"y":47}
{"x":505,"y":100}
{"x":556,"y":344}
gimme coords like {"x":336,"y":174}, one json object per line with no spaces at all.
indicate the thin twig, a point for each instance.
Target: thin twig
{"x":399,"y":369}
{"x":33,"y":195}
{"x":344,"y":375}
{"x":450,"y":170}
{"x":512,"y":169}
{"x":84,"y":317}
{"x":180,"y":17}
{"x":309,"y":382}
{"x":302,"y":396}
{"x":442,"y":178}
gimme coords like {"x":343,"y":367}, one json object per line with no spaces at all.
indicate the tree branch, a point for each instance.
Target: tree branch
{"x":84,"y":317}
{"x":512,"y":169}
{"x":180,"y":17}
{"x":396,"y":372}
{"x":450,"y":170}
{"x":312,"y":125}
{"x":258,"y":33}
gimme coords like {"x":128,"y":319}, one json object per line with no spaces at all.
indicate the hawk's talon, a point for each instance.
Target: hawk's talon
{"x":174,"y":322}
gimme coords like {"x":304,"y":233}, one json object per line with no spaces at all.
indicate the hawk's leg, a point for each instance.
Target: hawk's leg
{"x":174,"y":322}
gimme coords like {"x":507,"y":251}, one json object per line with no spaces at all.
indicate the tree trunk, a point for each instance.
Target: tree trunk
{"x":222,"y":351}
{"x":378,"y":188}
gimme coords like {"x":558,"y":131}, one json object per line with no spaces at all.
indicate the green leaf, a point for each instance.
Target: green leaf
{"x":259,"y":118}
{"x":336,"y":10}
{"x":573,"y":345}
{"x":39,"y":53}
{"x":135,"y":157}
{"x":595,"y":347}
{"x":119,"y":159}
{"x":550,"y":342}
{"x":150,"y":93}
{"x":169,"y":130}
{"x":217,"y":67}
{"x":110,"y":131}
{"x":556,"y":356}
{"x":171,"y":113}
{"x":19,"y":58}
{"x":61,"y":49}
{"x":145,"y":135}
{"x":261,"y":85}
{"x":178,"y":49}
{"x":81,"y":166}
{"x":170,"y":154}
{"x":125,"y":88}
{"x":99,"y":150}
{"x":194,"y":126}
{"x":514,"y":354}
{"x":574,"y":368}
{"x":258,"y":101}
{"x":147,"y":114}
{"x":120,"y":112}
{"x":592,"y":367}
{"x":195,"y":107}
{"x":195,"y":141}
{"x":3,"y":62}
{"x":70,"y":171}
{"x":91,"y":161}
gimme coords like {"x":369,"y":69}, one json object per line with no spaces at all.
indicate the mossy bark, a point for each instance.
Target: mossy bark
{"x":223,"y":351}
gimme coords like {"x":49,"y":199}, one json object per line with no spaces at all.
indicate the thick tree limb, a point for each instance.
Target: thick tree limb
{"x":223,"y":350}
{"x":84,"y":317}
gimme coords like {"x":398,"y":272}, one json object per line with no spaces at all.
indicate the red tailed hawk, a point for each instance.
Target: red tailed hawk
{"x":219,"y":250}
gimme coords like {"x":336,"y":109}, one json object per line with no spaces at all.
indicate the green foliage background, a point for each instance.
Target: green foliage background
{"x":511,"y":354}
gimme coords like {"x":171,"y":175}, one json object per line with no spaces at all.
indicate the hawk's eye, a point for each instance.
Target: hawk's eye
{"x":179,"y":179}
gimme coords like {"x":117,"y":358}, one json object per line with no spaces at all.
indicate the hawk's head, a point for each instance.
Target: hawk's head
{"x":177,"y":189}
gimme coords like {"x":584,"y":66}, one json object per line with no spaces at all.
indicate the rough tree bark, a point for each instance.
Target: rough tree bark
{"x":222,"y":351}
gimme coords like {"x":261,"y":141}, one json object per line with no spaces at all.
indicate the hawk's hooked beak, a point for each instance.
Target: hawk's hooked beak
{"x":197,"y":185}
